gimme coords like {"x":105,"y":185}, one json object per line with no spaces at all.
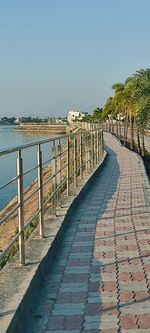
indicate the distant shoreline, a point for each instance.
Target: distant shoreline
{"x":53,"y":129}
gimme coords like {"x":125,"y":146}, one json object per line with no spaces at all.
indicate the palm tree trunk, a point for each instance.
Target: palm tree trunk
{"x":112,"y":126}
{"x":119,"y":126}
{"x":142,"y":145}
{"x":125,"y":126}
{"x":109,"y":126}
{"x":138,"y":136}
{"x":106,"y":125}
{"x":124,"y":131}
{"x":131,"y":132}
{"x":116,"y":127}
{"x":138,"y":142}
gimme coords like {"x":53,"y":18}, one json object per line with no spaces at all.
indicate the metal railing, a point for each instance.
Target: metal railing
{"x":69,"y":157}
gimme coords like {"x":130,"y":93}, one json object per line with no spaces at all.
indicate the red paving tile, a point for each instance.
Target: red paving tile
{"x":108,"y":331}
{"x":147,"y":267}
{"x":129,"y":322}
{"x":64,"y":297}
{"x":109,"y":269}
{"x":73,"y":322}
{"x":56,"y":323}
{"x":109,"y":286}
{"x":138,"y":276}
{"x":109,"y":305}
{"x":126,"y":296}
{"x":144,"y":321}
{"x":75,"y":278}
{"x":93,"y":309}
{"x":141,"y":295}
{"x":125,"y":276}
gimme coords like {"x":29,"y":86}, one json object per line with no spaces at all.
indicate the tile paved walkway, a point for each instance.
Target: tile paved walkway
{"x":100,"y":280}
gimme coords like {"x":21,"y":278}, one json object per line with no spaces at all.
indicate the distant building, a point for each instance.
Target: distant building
{"x":56,"y":121}
{"x":52,"y":121}
{"x":74,"y":115}
{"x":120,"y":116}
{"x":17,"y":120}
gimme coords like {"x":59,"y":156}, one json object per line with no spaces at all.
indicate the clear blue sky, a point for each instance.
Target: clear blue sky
{"x":62,"y":54}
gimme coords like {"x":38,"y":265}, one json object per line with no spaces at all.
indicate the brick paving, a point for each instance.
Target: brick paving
{"x":100,"y":280}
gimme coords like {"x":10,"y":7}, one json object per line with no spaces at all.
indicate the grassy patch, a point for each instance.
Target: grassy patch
{"x":9,"y":254}
{"x":15,"y":247}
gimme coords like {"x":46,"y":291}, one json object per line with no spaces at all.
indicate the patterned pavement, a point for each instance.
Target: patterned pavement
{"x":100,"y":280}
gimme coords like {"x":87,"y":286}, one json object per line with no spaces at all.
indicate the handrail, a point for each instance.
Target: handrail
{"x":39,"y":142}
{"x":68,"y":159}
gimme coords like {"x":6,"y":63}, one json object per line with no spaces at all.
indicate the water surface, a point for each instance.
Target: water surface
{"x":9,"y":137}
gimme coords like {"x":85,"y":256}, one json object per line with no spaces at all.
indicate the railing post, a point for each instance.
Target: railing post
{"x":87,"y":152}
{"x":97,"y":145}
{"x":68,"y":166}
{"x":81,"y":157}
{"x":20,"y":209}
{"x":40,"y":192}
{"x":54,"y":183}
{"x":101,"y":142}
{"x":93,"y":149}
{"x":59,"y":171}
{"x":75,"y":159}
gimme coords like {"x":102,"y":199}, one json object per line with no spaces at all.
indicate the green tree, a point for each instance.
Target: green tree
{"x":108,"y":113}
{"x":118,"y":100}
{"x":132,"y":100}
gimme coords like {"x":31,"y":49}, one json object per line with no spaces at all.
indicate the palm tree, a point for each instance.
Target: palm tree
{"x":142,"y":78}
{"x":130,"y":95}
{"x":97,"y":114}
{"x":108,"y":113}
{"x":118,"y":99}
{"x":132,"y":100}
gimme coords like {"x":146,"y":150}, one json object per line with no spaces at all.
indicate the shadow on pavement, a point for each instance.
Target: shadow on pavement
{"x":70,"y":298}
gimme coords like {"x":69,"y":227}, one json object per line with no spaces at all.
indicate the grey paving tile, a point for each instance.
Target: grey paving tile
{"x":73,"y":287}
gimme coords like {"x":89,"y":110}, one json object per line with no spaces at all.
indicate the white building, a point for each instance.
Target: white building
{"x":119,"y":115}
{"x":74,"y":115}
{"x":17,"y":120}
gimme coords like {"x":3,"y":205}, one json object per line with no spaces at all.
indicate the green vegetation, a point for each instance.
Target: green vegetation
{"x":15,"y":246}
{"x":128,"y":110}
{"x":36,"y":120}
{"x":9,"y":254}
{"x":14,"y":121}
{"x":95,"y":116}
{"x":7,"y":121}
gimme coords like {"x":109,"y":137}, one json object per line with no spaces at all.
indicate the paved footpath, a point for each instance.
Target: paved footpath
{"x":100,"y":280}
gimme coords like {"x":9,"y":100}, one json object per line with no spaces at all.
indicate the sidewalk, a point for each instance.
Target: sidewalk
{"x":100,"y":280}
